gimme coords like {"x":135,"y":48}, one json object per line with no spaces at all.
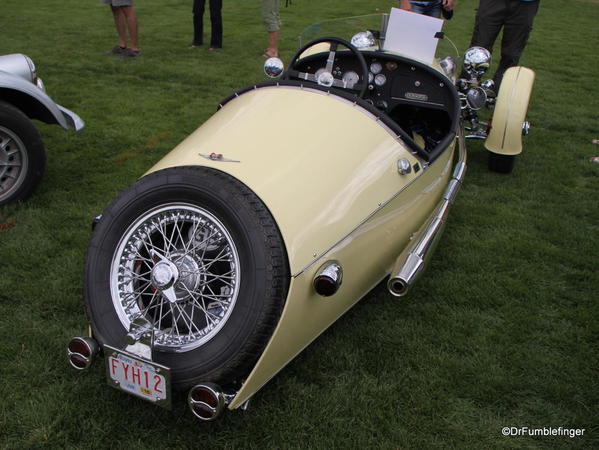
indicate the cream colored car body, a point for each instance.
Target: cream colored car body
{"x":333,"y":187}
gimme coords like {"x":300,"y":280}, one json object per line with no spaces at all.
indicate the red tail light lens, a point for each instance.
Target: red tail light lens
{"x":79,"y":346}
{"x":78,"y":361}
{"x":206,"y":401}
{"x":205,"y":395}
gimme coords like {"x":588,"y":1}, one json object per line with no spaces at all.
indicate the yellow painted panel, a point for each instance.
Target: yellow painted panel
{"x":321,"y":165}
{"x":316,"y":48}
{"x":366,"y":256}
{"x":505,"y":136}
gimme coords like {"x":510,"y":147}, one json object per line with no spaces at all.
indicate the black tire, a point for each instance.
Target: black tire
{"x":259,"y":277}
{"x":22,"y":155}
{"x":501,"y":163}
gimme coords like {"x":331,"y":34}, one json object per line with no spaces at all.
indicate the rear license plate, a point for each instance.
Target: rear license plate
{"x":138,"y":376}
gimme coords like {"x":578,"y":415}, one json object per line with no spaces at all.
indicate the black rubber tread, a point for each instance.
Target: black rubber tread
{"x":16,"y":121}
{"x":501,"y":163}
{"x":267,"y":239}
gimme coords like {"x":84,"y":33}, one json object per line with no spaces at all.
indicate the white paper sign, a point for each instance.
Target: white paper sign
{"x":412,"y":35}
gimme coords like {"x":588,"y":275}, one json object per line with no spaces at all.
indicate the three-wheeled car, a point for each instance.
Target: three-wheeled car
{"x":234,"y":252}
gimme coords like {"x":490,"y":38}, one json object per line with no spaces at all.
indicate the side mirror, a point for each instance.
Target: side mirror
{"x":273,"y":67}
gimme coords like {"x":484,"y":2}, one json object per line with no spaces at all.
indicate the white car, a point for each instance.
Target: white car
{"x":22,"y":153}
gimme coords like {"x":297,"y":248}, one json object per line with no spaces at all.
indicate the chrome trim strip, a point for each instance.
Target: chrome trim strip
{"x":370,"y":216}
{"x":420,"y":102}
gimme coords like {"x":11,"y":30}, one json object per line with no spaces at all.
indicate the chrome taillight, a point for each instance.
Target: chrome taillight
{"x":207,"y":401}
{"x":81,"y":352}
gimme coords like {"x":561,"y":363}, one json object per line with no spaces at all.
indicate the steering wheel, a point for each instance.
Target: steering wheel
{"x":327,"y":77}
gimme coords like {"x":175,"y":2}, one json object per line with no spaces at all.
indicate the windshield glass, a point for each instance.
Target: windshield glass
{"x":347,"y":27}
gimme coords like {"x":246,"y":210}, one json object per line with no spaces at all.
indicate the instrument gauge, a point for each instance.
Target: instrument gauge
{"x":376,"y":68}
{"x":319,"y":72}
{"x":380,"y":79}
{"x":350,"y":78}
{"x":370,"y":77}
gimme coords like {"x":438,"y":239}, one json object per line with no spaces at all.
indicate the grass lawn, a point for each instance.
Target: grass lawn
{"x":502,"y":330}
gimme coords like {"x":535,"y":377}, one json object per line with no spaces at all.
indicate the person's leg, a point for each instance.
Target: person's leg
{"x":216,"y":21}
{"x":273,"y":43}
{"x":131,"y":20}
{"x":490,"y":17}
{"x":198,"y":22}
{"x":121,"y":25}
{"x":516,"y":30}
{"x":272,"y":21}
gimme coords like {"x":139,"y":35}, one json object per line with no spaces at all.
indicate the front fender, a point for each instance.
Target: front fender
{"x":35,"y":103}
{"x":505,"y":137}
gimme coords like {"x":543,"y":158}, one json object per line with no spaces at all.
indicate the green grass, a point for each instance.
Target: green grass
{"x":502,"y":330}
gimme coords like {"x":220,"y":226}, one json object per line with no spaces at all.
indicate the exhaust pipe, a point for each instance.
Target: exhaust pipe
{"x":207,"y":401}
{"x":411,"y":261}
{"x":82,"y":352}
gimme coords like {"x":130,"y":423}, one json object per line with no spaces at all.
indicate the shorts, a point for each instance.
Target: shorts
{"x":118,"y":3}
{"x":270,"y":15}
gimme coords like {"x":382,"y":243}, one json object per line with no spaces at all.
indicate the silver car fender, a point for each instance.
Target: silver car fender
{"x":20,"y":92}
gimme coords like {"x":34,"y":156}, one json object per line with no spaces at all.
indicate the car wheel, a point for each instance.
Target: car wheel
{"x":198,"y":255}
{"x":501,"y":163}
{"x":22,"y":155}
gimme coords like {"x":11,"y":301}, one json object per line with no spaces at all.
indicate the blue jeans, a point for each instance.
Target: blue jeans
{"x":428,"y":8}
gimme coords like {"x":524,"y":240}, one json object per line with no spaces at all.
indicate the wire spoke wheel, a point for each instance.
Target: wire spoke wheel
{"x":195,"y":253}
{"x":177,"y":266}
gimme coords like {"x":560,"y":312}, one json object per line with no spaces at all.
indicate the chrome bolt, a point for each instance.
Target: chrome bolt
{"x":403,"y":166}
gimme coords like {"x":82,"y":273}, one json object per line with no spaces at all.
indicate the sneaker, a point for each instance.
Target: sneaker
{"x":117,"y":50}
{"x":129,"y":53}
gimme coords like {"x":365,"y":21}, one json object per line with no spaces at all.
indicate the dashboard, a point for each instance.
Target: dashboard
{"x":420,"y":101}
{"x":392,"y":80}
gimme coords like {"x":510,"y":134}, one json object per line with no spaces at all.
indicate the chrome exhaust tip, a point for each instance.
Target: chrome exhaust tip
{"x":328,"y":279}
{"x":397,"y":287}
{"x":207,"y":401}
{"x":82,"y":352}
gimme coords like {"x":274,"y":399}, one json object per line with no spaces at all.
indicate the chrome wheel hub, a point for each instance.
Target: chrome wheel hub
{"x":164,"y":275}
{"x":177,"y":266}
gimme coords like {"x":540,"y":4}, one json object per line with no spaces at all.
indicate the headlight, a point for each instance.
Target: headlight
{"x":34,"y":78}
{"x":363,"y":39}
{"x":476,"y":98}
{"x":477,"y":60}
{"x":449,"y":66}
{"x":31,"y":68}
